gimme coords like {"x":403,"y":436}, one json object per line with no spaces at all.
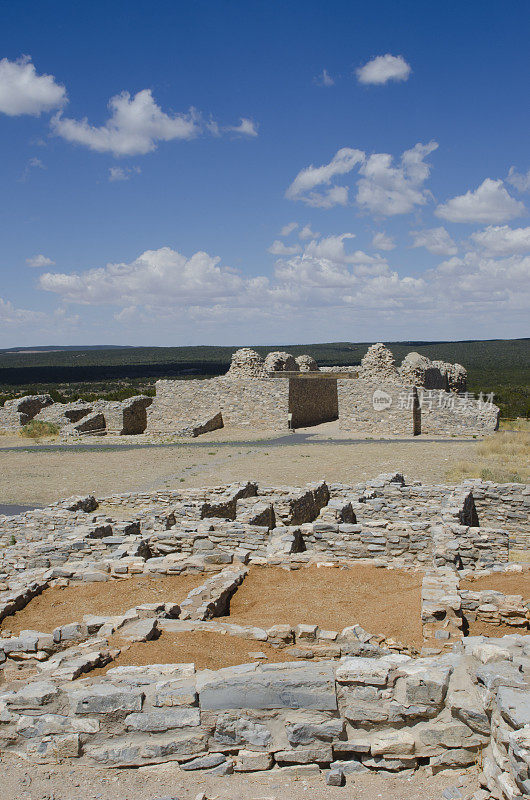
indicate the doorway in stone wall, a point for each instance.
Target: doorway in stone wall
{"x":416,"y":413}
{"x":312,"y":401}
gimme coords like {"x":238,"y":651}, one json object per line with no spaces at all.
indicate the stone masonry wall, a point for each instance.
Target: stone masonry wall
{"x":359,"y":714}
{"x":312,"y":401}
{"x":253,"y":402}
{"x":441,"y":412}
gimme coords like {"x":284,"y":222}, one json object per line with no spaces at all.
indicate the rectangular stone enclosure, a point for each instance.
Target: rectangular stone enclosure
{"x":312,"y":401}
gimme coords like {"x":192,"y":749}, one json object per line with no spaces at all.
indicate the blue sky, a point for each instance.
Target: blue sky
{"x":155,"y":158}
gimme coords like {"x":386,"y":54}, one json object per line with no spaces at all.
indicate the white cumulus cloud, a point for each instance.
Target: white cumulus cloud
{"x":520,"y":180}
{"x":135,"y":126}
{"x":501,"y":240}
{"x":153,"y":276}
{"x":309,"y":178}
{"x":435,"y":240}
{"x":383,"y":189}
{"x":246,"y":127}
{"x":380,"y":241}
{"x":489,"y":203}
{"x":388,"y":190}
{"x":289,"y":228}
{"x":382,"y":69}
{"x":307,"y":233}
{"x":23,"y":91}
{"x":327,"y":279}
{"x":40,"y":261}
{"x":278,"y":248}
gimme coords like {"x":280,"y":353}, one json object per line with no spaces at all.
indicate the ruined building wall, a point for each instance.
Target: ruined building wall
{"x":260,"y":403}
{"x":312,"y":401}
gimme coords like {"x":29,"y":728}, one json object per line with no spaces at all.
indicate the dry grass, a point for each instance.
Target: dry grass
{"x":502,"y":458}
{"x":38,"y":429}
{"x":519,"y":424}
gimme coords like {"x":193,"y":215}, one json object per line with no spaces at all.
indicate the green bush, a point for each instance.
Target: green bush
{"x":36,"y":429}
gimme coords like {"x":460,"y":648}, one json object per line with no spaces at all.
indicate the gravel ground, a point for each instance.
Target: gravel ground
{"x":20,"y":781}
{"x":38,"y":476}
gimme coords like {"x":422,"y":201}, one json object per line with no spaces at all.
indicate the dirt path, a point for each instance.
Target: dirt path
{"x":38,"y":476}
{"x":22,"y":781}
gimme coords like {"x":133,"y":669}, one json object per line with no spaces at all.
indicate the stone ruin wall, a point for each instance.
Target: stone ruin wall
{"x":250,"y":396}
{"x":250,"y":402}
{"x":247,"y":395}
{"x":354,"y":702}
{"x":384,"y":518}
{"x":126,"y":417}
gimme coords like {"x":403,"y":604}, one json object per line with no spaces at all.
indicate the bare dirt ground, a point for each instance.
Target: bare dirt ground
{"x":507,"y":583}
{"x":39,"y":476}
{"x":61,"y":605}
{"x":205,"y":650}
{"x":22,"y":781}
{"x":382,"y":601}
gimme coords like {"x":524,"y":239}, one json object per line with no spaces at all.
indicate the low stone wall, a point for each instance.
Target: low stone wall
{"x":384,"y":518}
{"x":504,"y":505}
{"x":358,"y":714}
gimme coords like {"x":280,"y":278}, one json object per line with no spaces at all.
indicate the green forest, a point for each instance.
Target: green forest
{"x":498,"y":366}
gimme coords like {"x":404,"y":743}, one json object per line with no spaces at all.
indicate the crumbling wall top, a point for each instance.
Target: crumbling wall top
{"x":307,"y":364}
{"x":246,"y":362}
{"x":378,"y":364}
{"x":279,"y":361}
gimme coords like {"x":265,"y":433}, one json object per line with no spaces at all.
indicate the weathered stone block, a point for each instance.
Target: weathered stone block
{"x":305,"y":755}
{"x":251,"y":761}
{"x":33,"y":695}
{"x":303,"y":733}
{"x":233,"y":730}
{"x":393,"y":743}
{"x":204,"y":762}
{"x":105,"y":698}
{"x":311,"y":687}
{"x":154,"y":721}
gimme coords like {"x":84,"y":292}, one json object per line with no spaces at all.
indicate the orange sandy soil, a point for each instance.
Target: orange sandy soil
{"x":383,"y":601}
{"x":60,"y":605}
{"x":205,"y":650}
{"x":481,"y":628}
{"x":507,"y":583}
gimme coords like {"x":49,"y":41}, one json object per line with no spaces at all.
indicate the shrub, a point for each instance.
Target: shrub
{"x":37,"y":429}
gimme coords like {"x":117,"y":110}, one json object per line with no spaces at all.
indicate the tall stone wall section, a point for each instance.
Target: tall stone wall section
{"x":441,"y":413}
{"x":313,"y":401}
{"x":252,"y":402}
